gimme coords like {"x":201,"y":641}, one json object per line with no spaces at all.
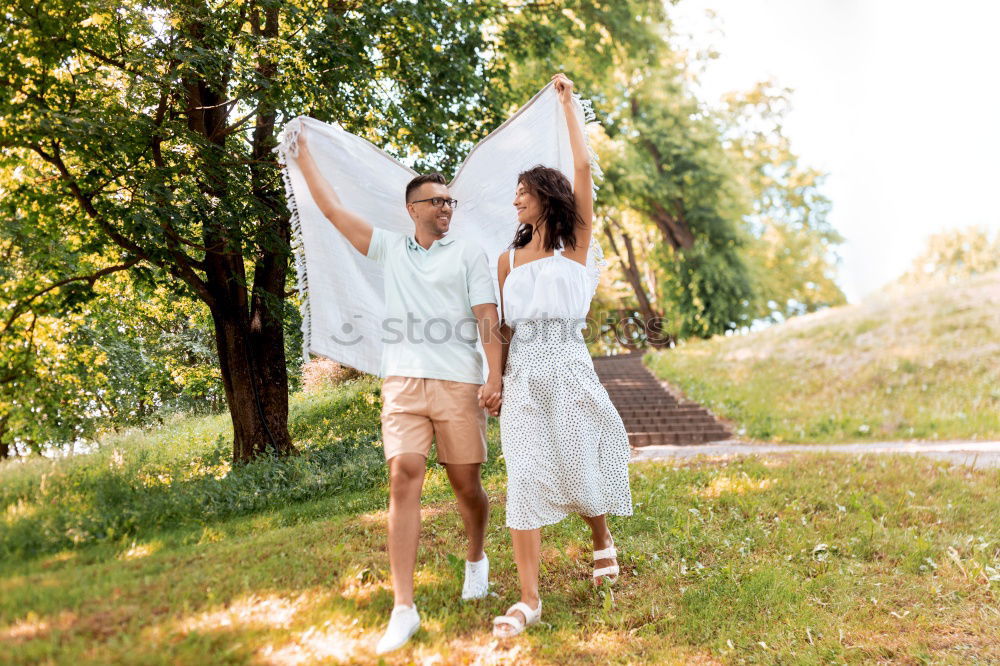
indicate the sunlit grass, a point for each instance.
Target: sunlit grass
{"x":789,"y":559}
{"x":922,"y":364}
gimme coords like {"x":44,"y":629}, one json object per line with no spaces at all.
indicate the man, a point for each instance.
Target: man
{"x":433,"y":387}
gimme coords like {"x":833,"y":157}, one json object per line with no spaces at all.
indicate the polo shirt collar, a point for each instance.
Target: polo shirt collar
{"x":414,"y":245}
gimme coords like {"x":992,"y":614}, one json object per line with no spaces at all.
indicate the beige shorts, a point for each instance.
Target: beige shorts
{"x":416,"y":410}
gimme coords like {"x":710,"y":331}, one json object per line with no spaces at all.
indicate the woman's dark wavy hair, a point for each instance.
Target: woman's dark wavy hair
{"x":555,"y":193}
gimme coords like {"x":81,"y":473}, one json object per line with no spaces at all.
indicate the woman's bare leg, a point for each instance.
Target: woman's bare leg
{"x":602,"y":537}
{"x":527,"y":555}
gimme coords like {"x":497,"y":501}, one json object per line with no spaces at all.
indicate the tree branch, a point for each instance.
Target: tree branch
{"x":13,"y":372}
{"x":183,"y":269}
{"x":631,"y":267}
{"x":91,"y":279}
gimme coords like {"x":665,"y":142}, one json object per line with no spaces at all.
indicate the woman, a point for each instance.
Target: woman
{"x":564,"y":443}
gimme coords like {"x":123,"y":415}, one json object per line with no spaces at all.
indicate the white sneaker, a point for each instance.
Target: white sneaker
{"x":403,"y":623}
{"x":477,"y":579}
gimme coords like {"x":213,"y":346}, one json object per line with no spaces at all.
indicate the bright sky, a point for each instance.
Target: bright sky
{"x":898,"y":100}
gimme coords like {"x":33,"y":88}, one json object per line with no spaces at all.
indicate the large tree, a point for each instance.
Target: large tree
{"x":675,"y":172}
{"x":145,"y":133}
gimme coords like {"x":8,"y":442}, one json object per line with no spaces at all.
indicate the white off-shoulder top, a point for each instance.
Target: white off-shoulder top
{"x":554,"y":287}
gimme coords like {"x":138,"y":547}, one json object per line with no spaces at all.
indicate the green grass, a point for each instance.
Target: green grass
{"x":918,"y":364}
{"x":180,"y":475}
{"x":804,"y":559}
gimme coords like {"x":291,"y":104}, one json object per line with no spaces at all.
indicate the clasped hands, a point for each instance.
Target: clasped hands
{"x":491,"y":396}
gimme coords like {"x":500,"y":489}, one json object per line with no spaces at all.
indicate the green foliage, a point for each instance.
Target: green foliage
{"x":181,"y":475}
{"x":707,"y":288}
{"x":678,"y":175}
{"x":156,"y":350}
{"x":132,"y":353}
{"x":40,"y":370}
{"x":597,"y":44}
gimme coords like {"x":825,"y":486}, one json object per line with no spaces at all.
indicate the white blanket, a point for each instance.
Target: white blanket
{"x":342,"y":298}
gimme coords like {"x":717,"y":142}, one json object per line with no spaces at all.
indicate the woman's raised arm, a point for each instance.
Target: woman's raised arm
{"x":583,"y":183}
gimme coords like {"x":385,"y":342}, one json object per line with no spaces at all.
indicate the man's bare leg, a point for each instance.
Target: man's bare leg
{"x":406,"y":480}
{"x":473,"y":505}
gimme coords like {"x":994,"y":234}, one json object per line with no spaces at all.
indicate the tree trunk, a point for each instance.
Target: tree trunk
{"x":248,"y":327}
{"x":656,"y":336}
{"x":5,"y":447}
{"x":675,"y":230}
{"x":254,"y":377}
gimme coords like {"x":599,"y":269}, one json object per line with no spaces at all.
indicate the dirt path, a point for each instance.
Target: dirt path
{"x":976,"y":454}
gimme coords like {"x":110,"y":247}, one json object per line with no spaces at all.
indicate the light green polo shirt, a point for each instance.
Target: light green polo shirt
{"x":429,"y":328}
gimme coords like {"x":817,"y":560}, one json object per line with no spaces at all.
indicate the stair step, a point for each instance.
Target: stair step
{"x":657,"y":438}
{"x":669,"y":416}
{"x":680,"y":431}
{"x":639,"y":406}
{"x":674,"y":407}
{"x":683,"y":434}
{"x":669,"y":413}
{"x":660,"y":412}
{"x":667,"y":426}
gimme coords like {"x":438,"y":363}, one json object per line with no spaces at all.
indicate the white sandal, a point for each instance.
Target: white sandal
{"x":530,"y":616}
{"x":609,"y":572}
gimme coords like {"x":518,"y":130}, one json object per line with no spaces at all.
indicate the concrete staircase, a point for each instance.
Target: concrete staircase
{"x":650,"y":413}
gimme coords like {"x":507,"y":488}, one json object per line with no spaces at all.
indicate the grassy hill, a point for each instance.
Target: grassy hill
{"x":921,"y":363}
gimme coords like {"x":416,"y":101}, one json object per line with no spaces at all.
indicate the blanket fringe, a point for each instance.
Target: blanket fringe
{"x":288,"y":147}
{"x":288,"y":140}
{"x":590,"y":120}
{"x":596,"y":252}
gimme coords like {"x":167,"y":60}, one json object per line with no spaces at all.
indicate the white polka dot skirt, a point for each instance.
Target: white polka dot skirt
{"x":563,"y":441}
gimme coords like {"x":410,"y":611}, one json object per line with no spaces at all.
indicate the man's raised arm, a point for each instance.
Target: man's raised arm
{"x":352,"y":226}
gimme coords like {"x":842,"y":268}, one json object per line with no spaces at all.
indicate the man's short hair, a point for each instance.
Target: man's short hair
{"x":421,"y":179}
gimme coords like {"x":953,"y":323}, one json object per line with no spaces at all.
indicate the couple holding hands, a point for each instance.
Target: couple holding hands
{"x":564,"y":444}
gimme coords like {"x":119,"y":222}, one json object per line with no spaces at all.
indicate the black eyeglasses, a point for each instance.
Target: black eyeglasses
{"x":437,"y":202}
